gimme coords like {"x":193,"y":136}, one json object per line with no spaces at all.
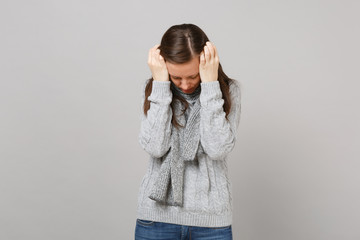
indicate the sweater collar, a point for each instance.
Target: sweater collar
{"x":188,"y":96}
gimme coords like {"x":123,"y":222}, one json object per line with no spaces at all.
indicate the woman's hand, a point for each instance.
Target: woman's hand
{"x":209,"y":63}
{"x":157,"y":65}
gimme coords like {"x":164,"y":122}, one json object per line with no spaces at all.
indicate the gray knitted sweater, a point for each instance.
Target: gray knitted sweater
{"x":207,"y":187}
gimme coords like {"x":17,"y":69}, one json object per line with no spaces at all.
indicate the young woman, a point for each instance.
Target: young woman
{"x":191,"y":110}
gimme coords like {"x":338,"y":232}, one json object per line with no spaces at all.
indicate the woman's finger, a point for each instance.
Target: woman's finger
{"x":202,"y":58}
{"x":208,"y":44}
{"x":211,"y":49}
{"x":215,"y":51}
{"x":149,"y":55}
{"x":157,"y":55}
{"x":152,"y":50}
{"x":207,"y":54}
{"x":153,"y":59}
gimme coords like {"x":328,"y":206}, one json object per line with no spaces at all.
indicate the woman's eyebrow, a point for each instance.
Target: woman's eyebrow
{"x":194,"y":75}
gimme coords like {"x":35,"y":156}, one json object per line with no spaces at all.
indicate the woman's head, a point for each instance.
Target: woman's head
{"x":181,"y":43}
{"x":181,"y":46}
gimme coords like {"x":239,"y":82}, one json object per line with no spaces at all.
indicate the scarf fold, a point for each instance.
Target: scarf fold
{"x":184,"y":146}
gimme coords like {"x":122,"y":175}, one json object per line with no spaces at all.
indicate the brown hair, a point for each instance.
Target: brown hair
{"x":179,"y":44}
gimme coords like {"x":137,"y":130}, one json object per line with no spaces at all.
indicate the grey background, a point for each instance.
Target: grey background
{"x":71,"y":76}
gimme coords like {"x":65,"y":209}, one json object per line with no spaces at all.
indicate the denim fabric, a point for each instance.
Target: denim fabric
{"x":151,"y":230}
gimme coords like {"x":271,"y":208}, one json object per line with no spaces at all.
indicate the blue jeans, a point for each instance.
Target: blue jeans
{"x":151,"y":230}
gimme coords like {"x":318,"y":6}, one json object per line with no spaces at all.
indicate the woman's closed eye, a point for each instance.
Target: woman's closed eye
{"x":190,"y":77}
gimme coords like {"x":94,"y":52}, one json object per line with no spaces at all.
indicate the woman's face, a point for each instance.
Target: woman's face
{"x":185,"y":75}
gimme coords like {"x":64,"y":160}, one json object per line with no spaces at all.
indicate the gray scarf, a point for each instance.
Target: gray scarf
{"x":184,"y":146}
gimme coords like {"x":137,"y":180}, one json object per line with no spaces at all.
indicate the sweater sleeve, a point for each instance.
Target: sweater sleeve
{"x":155,"y":130}
{"x":217,"y":134}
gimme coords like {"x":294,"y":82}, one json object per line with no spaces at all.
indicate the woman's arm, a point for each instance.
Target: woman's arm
{"x":155,"y":130}
{"x":217,"y":134}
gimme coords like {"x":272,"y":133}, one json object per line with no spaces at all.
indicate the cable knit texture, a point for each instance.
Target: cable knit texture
{"x":184,"y":145}
{"x":207,"y":190}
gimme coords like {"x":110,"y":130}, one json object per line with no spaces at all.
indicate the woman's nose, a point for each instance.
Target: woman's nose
{"x":185,"y":85}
